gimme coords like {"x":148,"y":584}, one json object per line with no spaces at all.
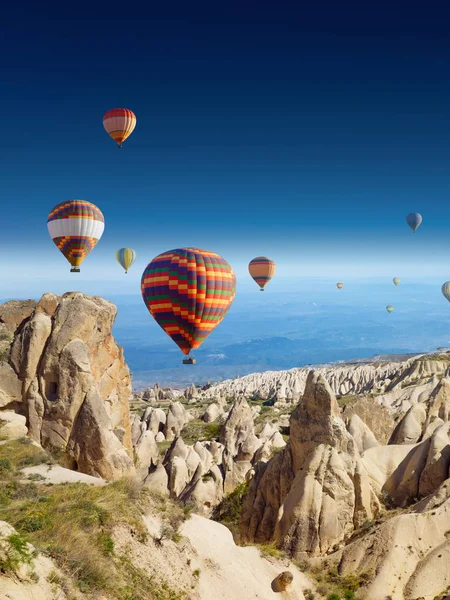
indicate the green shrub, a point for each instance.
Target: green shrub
{"x":5,"y":465}
{"x":15,"y":552}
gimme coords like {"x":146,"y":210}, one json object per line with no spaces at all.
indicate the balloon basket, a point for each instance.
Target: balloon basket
{"x":189,"y":361}
{"x":75,"y":270}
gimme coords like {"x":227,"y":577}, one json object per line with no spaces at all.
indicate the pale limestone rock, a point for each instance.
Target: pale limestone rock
{"x":72,"y":375}
{"x":158,"y":481}
{"x":408,"y":554}
{"x":240,"y":444}
{"x":362,"y":435}
{"x":212,"y":413}
{"x":409,"y":430}
{"x":160,"y":437}
{"x":12,"y":425}
{"x":146,"y":453}
{"x":10,"y":386}
{"x":206,"y":491}
{"x":311,"y":495}
{"x":176,"y":420}
{"x":277,"y":440}
{"x":28,"y":581}
{"x":178,"y":476}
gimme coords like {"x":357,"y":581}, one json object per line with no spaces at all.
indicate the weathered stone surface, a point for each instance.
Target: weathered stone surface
{"x":158,"y":481}
{"x":14,"y":312}
{"x":74,"y":383}
{"x":10,"y":386}
{"x":175,"y":421}
{"x":212,"y":413}
{"x":12,"y":425}
{"x":312,"y":494}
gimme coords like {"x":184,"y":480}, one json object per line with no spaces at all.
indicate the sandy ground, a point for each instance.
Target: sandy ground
{"x":230,"y":572}
{"x":57,"y":474}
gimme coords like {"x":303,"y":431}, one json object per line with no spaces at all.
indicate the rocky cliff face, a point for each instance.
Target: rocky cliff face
{"x":63,"y":371}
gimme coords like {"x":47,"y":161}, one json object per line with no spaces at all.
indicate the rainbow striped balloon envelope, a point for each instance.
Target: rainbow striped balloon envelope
{"x":119,"y":123}
{"x":188,"y":292}
{"x":75,"y":227}
{"x":262,"y":269}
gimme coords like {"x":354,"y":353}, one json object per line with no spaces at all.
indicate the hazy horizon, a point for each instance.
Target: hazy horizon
{"x":296,"y":321}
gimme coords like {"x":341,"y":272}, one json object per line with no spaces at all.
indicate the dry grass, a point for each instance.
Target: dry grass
{"x":73,"y":524}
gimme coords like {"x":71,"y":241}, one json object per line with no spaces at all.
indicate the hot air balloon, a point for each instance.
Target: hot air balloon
{"x":446,"y":290}
{"x":75,"y":226}
{"x":339,"y":286}
{"x":119,"y":124}
{"x":414,"y":220}
{"x":389,"y":308}
{"x":125,"y":257}
{"x":262,"y":269}
{"x":396,"y":280}
{"x":188,"y":292}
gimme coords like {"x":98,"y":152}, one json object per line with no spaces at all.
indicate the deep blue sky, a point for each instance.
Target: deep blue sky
{"x":306,"y":133}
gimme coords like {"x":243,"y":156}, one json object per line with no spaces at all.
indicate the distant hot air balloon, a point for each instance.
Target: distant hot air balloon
{"x":75,"y":226}
{"x":414,"y":220}
{"x":339,"y":286}
{"x":262,"y":269}
{"x":396,"y":280}
{"x":389,"y":308}
{"x":446,"y":290}
{"x":119,"y":124}
{"x":188,"y":292}
{"x":125,"y":257}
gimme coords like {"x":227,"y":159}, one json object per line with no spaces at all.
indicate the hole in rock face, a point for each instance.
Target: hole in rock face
{"x":52,"y":393}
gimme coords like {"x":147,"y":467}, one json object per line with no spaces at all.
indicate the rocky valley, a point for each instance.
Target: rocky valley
{"x":318,"y":483}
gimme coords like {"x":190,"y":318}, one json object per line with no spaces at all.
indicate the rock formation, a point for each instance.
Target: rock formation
{"x":408,"y":555}
{"x":312,"y":494}
{"x":65,"y":373}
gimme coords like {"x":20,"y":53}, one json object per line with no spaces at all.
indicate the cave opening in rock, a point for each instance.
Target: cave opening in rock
{"x":52,"y":393}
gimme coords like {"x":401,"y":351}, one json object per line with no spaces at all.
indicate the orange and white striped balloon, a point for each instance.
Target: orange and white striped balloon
{"x":119,"y":124}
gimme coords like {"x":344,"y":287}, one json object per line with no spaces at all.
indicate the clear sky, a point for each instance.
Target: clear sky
{"x":306,"y":133}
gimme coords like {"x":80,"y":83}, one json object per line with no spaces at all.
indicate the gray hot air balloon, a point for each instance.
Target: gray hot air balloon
{"x":414,"y":220}
{"x":396,"y":280}
{"x":446,"y":290}
{"x":389,"y":308}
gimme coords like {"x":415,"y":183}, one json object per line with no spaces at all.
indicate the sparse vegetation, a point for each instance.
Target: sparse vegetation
{"x":228,"y":512}
{"x":347,"y":400}
{"x":74,"y":523}
{"x":15,"y":551}
{"x":270,"y":550}
{"x":338,"y":587}
{"x":197,"y":430}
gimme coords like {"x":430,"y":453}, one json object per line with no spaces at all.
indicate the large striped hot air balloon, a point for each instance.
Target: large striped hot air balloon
{"x":125,"y":257}
{"x":75,"y":226}
{"x":188,"y":292}
{"x":262,"y":269}
{"x":119,"y":124}
{"x":414,"y":220}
